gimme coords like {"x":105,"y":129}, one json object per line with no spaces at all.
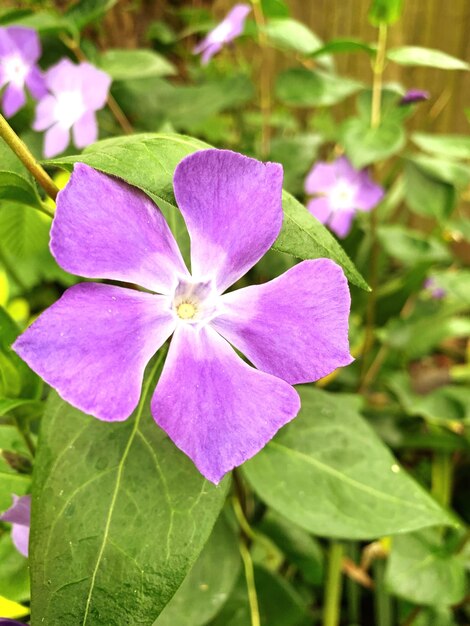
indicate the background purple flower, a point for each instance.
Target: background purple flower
{"x":10,"y":622}
{"x":341,"y":190}
{"x":76,"y":93}
{"x":215,"y":407}
{"x":20,"y":50}
{"x":19,"y":514}
{"x":413,"y":96}
{"x":229,"y":28}
{"x":433,"y":288}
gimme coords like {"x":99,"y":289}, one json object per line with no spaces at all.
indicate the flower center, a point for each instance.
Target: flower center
{"x":186,"y":310}
{"x":69,"y":108}
{"x":343,"y":195}
{"x":220,"y":32}
{"x":194,"y":302}
{"x":15,"y":69}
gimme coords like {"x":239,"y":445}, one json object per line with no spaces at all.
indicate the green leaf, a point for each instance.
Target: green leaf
{"x":275,"y":8}
{"x":426,"y":195}
{"x":411,"y":247}
{"x":14,"y":574}
{"x":23,"y":232}
{"x":426,"y":57}
{"x":450,"y":172}
{"x":329,"y":473}
{"x":304,"y":237}
{"x":287,"y":33}
{"x":209,"y":583}
{"x":385,"y":11}
{"x":365,"y":145}
{"x":10,"y":404}
{"x":148,"y":162}
{"x":10,"y":481}
{"x":339,"y":46}
{"x":49,"y":23}
{"x":135,"y":64}
{"x":453,"y":146}
{"x":128,"y":502}
{"x":301,"y":87}
{"x":296,"y":155}
{"x":85,"y":11}
{"x":17,"y":188}
{"x":425,"y":571}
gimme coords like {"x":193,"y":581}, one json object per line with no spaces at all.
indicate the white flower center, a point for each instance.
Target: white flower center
{"x":343,"y":195}
{"x":194,"y":302}
{"x":15,"y":69}
{"x":69,"y":108}
{"x":221,"y":32}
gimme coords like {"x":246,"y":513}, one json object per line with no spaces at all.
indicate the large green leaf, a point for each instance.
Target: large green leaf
{"x":148,"y":162}
{"x":427,"y":195}
{"x":132,"y":64}
{"x":14,"y":575}
{"x":329,"y":473}
{"x":209,"y":583}
{"x":119,"y":517}
{"x":301,"y":87}
{"x":453,"y":146}
{"x":426,"y":57}
{"x":15,"y":187}
{"x":424,"y":570}
{"x":85,"y":11}
{"x":290,"y":34}
{"x":365,"y":145}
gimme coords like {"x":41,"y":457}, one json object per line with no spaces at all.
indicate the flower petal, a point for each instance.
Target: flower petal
{"x":104,"y":228}
{"x":85,"y":130}
{"x":369,"y":194}
{"x":19,"y":512}
{"x":215,"y":407}
{"x":320,"y":208}
{"x":14,"y":98}
{"x":94,"y":343}
{"x":233,"y":211}
{"x":20,"y":538}
{"x":295,"y":326}
{"x":95,"y":86}
{"x":56,"y":140}
{"x":63,"y":76}
{"x":321,"y":178}
{"x":26,"y":41}
{"x":341,"y":222}
{"x":44,"y":113}
{"x":36,"y":83}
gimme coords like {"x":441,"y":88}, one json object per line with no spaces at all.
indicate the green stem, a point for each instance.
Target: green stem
{"x":441,"y":487}
{"x":27,"y":438}
{"x":378,"y":69}
{"x":250,"y":583}
{"x":28,"y":160}
{"x":331,"y":608}
{"x":353,"y":590}
{"x":383,"y":600}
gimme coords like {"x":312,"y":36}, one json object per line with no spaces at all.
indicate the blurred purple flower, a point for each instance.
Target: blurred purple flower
{"x":341,"y":190}
{"x":20,"y":50}
{"x":229,"y":28}
{"x":76,"y":92}
{"x":413,"y":96}
{"x":19,"y":514}
{"x":10,"y":622}
{"x":95,"y":342}
{"x":433,"y":289}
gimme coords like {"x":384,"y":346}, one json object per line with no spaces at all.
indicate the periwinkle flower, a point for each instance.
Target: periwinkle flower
{"x":229,"y":29}
{"x":10,"y":622}
{"x":20,"y":50}
{"x":19,"y":515}
{"x":94,"y":343}
{"x":413,"y":96}
{"x":76,"y":93}
{"x":436,"y":292}
{"x":340,"y":191}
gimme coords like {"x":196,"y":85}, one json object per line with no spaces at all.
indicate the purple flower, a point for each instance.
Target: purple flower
{"x":76,"y":92}
{"x":341,"y":191}
{"x":95,"y":342}
{"x":10,"y":622}
{"x":412,"y":96}
{"x":19,"y":514}
{"x":229,"y":28}
{"x":20,"y":50}
{"x":436,"y":292}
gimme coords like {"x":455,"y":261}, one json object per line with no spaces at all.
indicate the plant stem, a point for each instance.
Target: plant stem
{"x":331,"y":607}
{"x":28,"y":160}
{"x":113,"y":106}
{"x":250,"y":583}
{"x":353,"y":590}
{"x":264,"y":79}
{"x":378,"y":68}
{"x":441,"y":487}
{"x":383,"y":601}
{"x":27,"y":438}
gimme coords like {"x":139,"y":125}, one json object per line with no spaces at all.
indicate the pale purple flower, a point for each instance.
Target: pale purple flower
{"x":20,"y":50}
{"x":76,"y":93}
{"x":412,"y":96}
{"x":93,"y":345}
{"x":10,"y":622}
{"x":340,"y":192}
{"x":226,"y":31}
{"x":19,"y":515}
{"x":436,"y":292}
